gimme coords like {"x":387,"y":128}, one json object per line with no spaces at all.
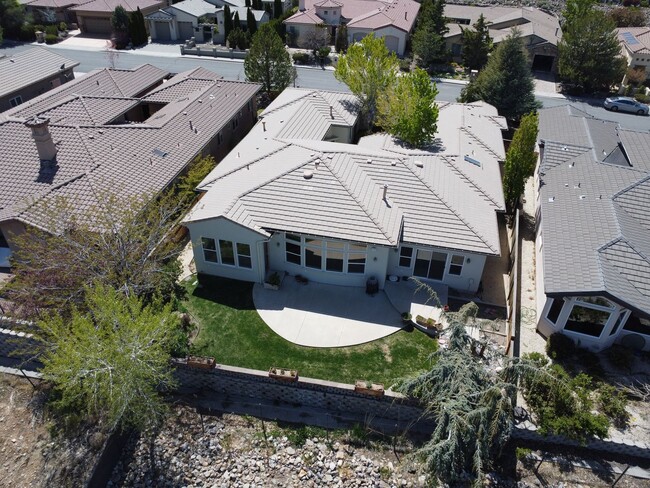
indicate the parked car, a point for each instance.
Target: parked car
{"x":626,"y":104}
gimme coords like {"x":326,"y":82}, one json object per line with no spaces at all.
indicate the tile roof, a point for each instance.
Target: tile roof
{"x":435,"y":197}
{"x":54,"y":4}
{"x":197,"y":8}
{"x":28,"y":67}
{"x":120,"y":157}
{"x":108,"y":6}
{"x":594,"y":214}
{"x":635,"y":39}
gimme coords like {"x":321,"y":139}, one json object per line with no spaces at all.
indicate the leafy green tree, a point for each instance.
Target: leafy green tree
{"x":477,"y":44}
{"x":408,"y":111}
{"x":428,"y":40}
{"x":506,"y":81}
{"x":251,"y":22}
{"x":369,"y":69}
{"x":111,"y":360}
{"x":589,"y":52}
{"x":120,"y":19}
{"x":12,"y":18}
{"x":227,"y":21}
{"x":268,"y":62}
{"x":277,"y":9}
{"x":575,"y":10}
{"x":520,"y":160}
{"x":341,"y":41}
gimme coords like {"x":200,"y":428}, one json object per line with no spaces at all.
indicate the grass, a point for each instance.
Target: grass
{"x":231,"y":330}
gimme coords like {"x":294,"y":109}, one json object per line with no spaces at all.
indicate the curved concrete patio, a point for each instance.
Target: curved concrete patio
{"x":319,"y":315}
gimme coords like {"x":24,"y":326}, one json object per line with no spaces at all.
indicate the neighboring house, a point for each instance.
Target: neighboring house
{"x":94,"y":17}
{"x":540,"y":30}
{"x":391,"y":19}
{"x":593,"y":230}
{"x":180,"y":21}
{"x":635,"y":46}
{"x":30,"y":73}
{"x":296,"y":196}
{"x":47,"y":11}
{"x":123,"y":131}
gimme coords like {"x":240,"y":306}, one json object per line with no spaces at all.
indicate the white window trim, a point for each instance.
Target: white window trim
{"x":575,"y":301}
{"x":15,"y":101}
{"x":345,"y":250}
{"x":217,"y":252}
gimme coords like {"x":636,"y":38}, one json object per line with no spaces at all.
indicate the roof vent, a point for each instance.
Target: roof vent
{"x":575,"y":187}
{"x":551,"y":199}
{"x":385,"y":197}
{"x":316,"y":163}
{"x":331,"y":111}
{"x":308,"y":175}
{"x":572,"y":164}
{"x":419,"y":164}
{"x":473,"y":161}
{"x":582,"y":197}
{"x":264,"y":125}
{"x":393,"y":163}
{"x":369,"y":161}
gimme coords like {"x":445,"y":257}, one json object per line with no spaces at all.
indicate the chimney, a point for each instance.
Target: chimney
{"x":301,"y":5}
{"x":385,"y":192}
{"x":42,"y":137}
{"x":331,"y":111}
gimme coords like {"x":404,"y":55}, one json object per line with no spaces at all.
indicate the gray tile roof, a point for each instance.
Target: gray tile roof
{"x":435,"y":198}
{"x":96,"y":157}
{"x":28,"y":67}
{"x":594,"y":215}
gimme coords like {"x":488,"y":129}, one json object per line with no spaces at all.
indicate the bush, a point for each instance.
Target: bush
{"x":63,"y":27}
{"x":405,"y":65}
{"x":51,"y":39}
{"x":560,"y":347}
{"x":38,"y":27}
{"x":27,"y":33}
{"x":52,"y":30}
{"x":301,"y":58}
{"x":620,"y":357}
{"x":590,"y":361}
{"x":642,"y":97}
{"x":538,"y":358}
{"x":612,"y":402}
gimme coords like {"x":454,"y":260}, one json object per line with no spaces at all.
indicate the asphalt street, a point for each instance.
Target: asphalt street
{"x":308,"y":77}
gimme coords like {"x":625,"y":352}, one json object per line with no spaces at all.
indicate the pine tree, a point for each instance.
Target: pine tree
{"x":520,"y":160}
{"x":341,"y":43}
{"x":428,"y":41}
{"x":247,"y":3}
{"x":251,"y":22}
{"x":137,"y":29}
{"x":277,"y":9}
{"x":236,"y":23}
{"x":227,"y":21}
{"x":506,"y":81}
{"x":477,"y":44}
{"x":268,"y":62}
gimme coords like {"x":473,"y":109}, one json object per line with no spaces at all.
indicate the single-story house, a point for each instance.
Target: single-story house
{"x":261,"y":17}
{"x":47,"y":11}
{"x":124,"y":131}
{"x":94,"y":17}
{"x":297,"y":196}
{"x":593,"y":230}
{"x":30,"y":73}
{"x":635,"y":46}
{"x":540,"y":30}
{"x":392,"y":19}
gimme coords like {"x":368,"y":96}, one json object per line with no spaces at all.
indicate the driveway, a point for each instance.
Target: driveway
{"x":318,"y":315}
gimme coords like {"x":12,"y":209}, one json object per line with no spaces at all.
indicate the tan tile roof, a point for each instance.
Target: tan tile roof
{"x":635,"y":39}
{"x":31,"y":66}
{"x":108,"y":6}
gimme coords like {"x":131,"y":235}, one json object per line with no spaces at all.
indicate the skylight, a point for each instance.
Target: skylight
{"x":473,"y":161}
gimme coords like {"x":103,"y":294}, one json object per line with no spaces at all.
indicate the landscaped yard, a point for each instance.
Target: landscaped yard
{"x":231,"y":330}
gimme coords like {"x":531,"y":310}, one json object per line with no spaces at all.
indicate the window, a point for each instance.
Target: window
{"x":327,"y":12}
{"x":621,"y":318}
{"x":405,"y":255}
{"x":325,"y":255}
{"x":3,"y":240}
{"x":227,"y":252}
{"x":209,"y":250}
{"x":249,"y":105}
{"x":357,"y":259}
{"x":293,"y":249}
{"x":234,"y":123}
{"x":587,"y":320}
{"x":14,"y":102}
{"x":555,"y":309}
{"x":335,"y":256}
{"x":430,"y":264}
{"x":313,"y":253}
{"x":456,"y":265}
{"x":219,"y":138}
{"x":638,"y":324}
{"x":244,"y":256}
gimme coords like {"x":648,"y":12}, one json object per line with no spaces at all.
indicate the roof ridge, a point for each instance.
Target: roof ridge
{"x":425,"y":183}
{"x":481,"y":143}
{"x":110,"y":74}
{"x":83,"y":104}
{"x":299,"y":99}
{"x":631,"y":186}
{"x":358,"y":202}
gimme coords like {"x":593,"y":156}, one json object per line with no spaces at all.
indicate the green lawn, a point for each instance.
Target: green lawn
{"x":231,"y":330}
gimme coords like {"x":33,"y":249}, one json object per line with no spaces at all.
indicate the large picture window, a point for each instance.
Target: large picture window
{"x":325,"y":255}
{"x":589,"y":315}
{"x":227,"y":252}
{"x":430,"y":264}
{"x":209,"y":250}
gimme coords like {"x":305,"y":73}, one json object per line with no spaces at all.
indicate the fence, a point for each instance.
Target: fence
{"x":512,"y":300}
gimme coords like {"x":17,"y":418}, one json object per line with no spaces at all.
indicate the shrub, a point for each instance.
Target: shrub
{"x":560,"y":347}
{"x":322,"y":54}
{"x":642,"y":97}
{"x":63,"y":27}
{"x":405,"y":65}
{"x":590,"y":361}
{"x":538,"y":358}
{"x":51,"y":39}
{"x":300,"y":58}
{"x":620,"y":357}
{"x":38,"y":27}
{"x":27,"y":33}
{"x":52,"y":30}
{"x":612,"y":402}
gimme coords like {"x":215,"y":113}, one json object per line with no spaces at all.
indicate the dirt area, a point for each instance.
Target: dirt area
{"x":29,"y":455}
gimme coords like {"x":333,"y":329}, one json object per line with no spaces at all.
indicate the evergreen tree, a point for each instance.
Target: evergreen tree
{"x":428,"y":41}
{"x":589,"y":52}
{"x":575,"y":10}
{"x":506,"y":81}
{"x":257,"y":5}
{"x":408,"y":110}
{"x":520,"y":160}
{"x":238,"y":39}
{"x":12,"y":18}
{"x":236,"y":23}
{"x":120,"y":19}
{"x":341,"y":42}
{"x":369,"y":69}
{"x":247,"y":3}
{"x":137,"y":29}
{"x":277,"y":9}
{"x":251,"y":22}
{"x":477,"y":44}
{"x":268,"y":62}
{"x":227,"y":21}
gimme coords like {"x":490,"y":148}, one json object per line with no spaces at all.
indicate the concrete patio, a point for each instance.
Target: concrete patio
{"x":319,"y":315}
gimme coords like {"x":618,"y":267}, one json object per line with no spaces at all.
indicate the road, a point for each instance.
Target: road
{"x":307,"y":77}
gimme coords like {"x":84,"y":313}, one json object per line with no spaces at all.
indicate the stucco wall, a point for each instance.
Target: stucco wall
{"x":31,"y":91}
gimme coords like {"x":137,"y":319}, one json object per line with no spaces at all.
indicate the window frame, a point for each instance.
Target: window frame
{"x":15,"y":101}
{"x":403,"y":256}
{"x":455,"y":266}
{"x":221,"y":253}
{"x":320,"y":247}
{"x":240,"y":255}
{"x":210,"y":250}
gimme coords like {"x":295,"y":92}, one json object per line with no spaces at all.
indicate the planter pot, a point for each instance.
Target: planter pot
{"x":289,"y":375}
{"x":200,"y":362}
{"x":269,"y":286}
{"x":375,"y":389}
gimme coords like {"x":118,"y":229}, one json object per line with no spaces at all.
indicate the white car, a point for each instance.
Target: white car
{"x":626,"y":104}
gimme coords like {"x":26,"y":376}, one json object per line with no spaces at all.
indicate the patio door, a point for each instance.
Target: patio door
{"x":430,"y":264}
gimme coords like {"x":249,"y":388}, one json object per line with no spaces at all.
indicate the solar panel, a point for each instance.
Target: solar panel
{"x":473,"y":161}
{"x":629,"y":38}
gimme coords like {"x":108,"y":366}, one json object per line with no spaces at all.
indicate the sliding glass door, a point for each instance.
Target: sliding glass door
{"x":430,"y":264}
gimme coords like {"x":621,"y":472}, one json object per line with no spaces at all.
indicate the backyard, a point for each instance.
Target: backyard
{"x":231,"y":330}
